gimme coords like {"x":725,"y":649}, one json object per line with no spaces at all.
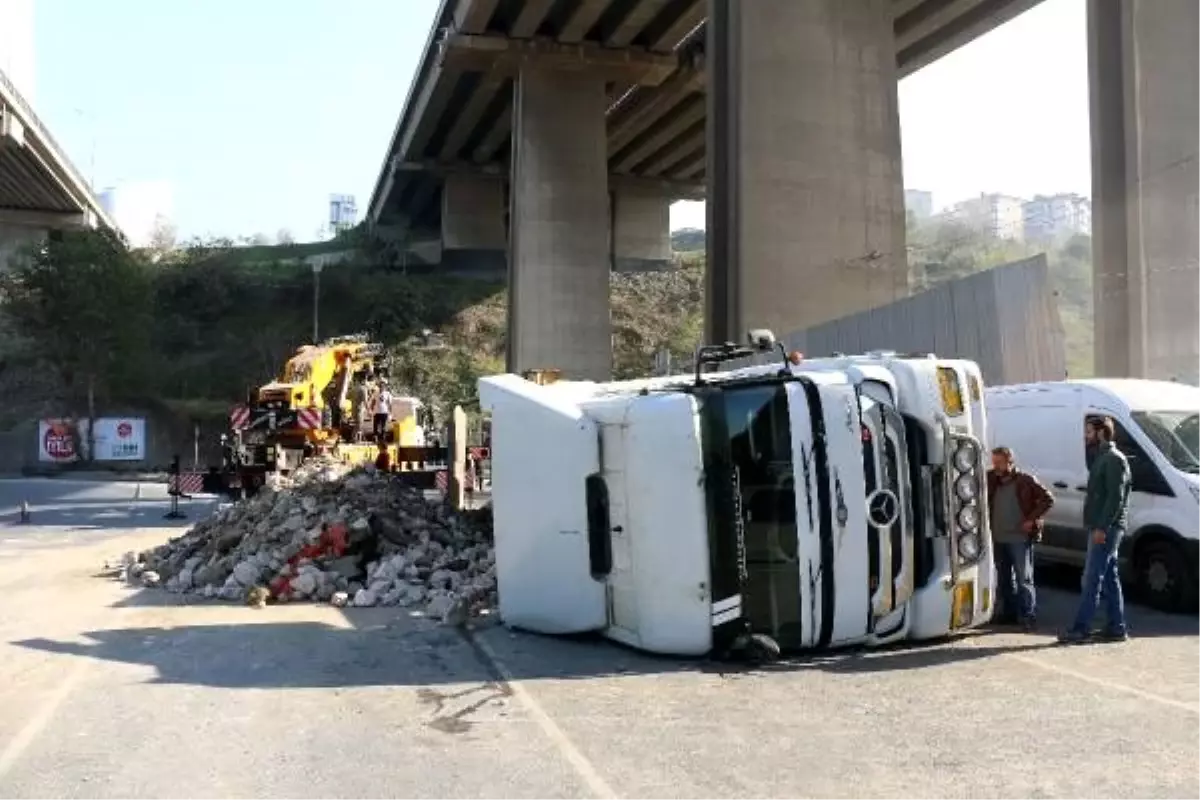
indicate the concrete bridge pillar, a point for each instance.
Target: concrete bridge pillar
{"x":558,"y":306}
{"x":641,"y":231}
{"x":1144,"y":70}
{"x":473,"y":235}
{"x":805,"y":191}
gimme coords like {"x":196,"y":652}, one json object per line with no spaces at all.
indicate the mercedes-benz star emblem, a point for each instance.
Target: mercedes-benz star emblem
{"x":882,"y":508}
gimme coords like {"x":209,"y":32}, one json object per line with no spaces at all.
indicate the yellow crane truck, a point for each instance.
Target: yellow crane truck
{"x":323,"y":403}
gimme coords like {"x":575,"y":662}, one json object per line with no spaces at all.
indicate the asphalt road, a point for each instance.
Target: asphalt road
{"x":112,"y":692}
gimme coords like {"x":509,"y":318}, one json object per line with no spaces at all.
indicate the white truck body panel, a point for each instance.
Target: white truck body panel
{"x":539,"y":481}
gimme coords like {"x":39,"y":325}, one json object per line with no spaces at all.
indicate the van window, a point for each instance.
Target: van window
{"x":1175,"y":434}
{"x":1146,"y":476}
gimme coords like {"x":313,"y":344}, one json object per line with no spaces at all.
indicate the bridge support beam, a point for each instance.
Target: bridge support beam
{"x":558,"y":299}
{"x":1144,"y":70}
{"x":641,"y":231}
{"x":473,"y":234}
{"x":805,"y":200}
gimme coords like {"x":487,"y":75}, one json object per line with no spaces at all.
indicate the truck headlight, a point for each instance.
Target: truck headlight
{"x":965,"y":457}
{"x":965,"y":488}
{"x":968,"y":546}
{"x":968,"y":518}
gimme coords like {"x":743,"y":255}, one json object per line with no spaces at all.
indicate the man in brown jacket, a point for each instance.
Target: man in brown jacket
{"x":1017,"y":502}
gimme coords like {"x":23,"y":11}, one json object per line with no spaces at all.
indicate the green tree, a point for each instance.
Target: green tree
{"x":81,"y":304}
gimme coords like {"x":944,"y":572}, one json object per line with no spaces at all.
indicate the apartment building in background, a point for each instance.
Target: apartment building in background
{"x":1049,"y":217}
{"x":17,"y":47}
{"x":997,"y":214}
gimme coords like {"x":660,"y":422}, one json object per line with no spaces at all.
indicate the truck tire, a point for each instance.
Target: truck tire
{"x":1163,"y":576}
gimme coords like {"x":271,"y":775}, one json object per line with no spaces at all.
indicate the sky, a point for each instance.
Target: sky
{"x":254,"y":112}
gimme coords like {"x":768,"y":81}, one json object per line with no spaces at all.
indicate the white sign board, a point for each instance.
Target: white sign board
{"x":115,"y":439}
{"x":120,"y":439}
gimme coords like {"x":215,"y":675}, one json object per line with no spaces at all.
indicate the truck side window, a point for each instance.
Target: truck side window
{"x":1145,"y":475}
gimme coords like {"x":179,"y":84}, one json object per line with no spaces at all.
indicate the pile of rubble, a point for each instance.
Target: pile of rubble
{"x":331,"y":534}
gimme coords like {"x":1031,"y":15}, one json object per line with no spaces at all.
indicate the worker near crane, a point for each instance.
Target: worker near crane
{"x":383,"y":459}
{"x":383,"y":410}
{"x":360,"y":400}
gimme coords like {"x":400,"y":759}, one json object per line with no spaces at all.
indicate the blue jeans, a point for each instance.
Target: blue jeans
{"x":1100,"y":576}
{"x":1014,"y":569}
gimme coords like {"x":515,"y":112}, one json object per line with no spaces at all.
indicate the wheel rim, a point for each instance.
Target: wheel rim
{"x":1158,"y":576}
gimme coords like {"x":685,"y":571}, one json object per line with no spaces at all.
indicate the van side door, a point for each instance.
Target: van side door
{"x":1055,"y":456}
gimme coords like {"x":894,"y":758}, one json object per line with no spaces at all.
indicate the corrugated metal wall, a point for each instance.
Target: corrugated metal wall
{"x":1005,"y":318}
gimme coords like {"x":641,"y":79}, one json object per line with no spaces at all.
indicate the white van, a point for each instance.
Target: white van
{"x":1156,"y":428}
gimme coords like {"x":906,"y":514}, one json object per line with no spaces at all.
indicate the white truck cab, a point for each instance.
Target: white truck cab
{"x":817,"y":503}
{"x":1157,"y":430}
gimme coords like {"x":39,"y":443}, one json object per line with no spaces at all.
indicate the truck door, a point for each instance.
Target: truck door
{"x":750,"y":486}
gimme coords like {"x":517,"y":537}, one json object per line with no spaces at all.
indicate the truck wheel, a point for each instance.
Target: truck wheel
{"x":1163,"y":577}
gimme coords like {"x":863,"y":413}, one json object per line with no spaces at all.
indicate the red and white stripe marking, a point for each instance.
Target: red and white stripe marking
{"x":188,"y":482}
{"x":309,"y":418}
{"x":442,"y":480}
{"x":239,"y":417}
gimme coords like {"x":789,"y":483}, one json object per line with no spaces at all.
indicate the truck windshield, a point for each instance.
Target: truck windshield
{"x":1176,"y":434}
{"x":748,"y":449}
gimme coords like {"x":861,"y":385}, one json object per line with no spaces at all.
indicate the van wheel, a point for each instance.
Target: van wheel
{"x":1163,"y":578}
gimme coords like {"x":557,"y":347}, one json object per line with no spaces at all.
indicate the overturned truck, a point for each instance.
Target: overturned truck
{"x":797,"y":504}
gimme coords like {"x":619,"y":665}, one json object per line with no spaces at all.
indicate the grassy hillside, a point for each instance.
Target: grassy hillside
{"x":223,"y":320}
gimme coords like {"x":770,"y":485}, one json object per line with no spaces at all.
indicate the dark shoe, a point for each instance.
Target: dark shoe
{"x":1075,"y":637}
{"x":1029,"y":624}
{"x":1113,"y":636}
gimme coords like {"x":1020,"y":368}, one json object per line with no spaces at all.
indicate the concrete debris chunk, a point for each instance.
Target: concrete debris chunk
{"x":330,"y":533}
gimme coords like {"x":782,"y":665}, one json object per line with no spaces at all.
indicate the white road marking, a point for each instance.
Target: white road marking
{"x":583,"y":767}
{"x":38,"y":722}
{"x":1105,"y":684}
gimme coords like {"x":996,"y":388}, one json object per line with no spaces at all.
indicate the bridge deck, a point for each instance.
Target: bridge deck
{"x":38,"y":183}
{"x":458,"y":114}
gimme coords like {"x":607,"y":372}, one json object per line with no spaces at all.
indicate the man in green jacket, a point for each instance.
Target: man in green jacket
{"x":1105,"y":515}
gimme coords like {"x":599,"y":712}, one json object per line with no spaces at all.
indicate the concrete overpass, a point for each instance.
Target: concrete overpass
{"x":552,"y":135}
{"x":40,"y":190}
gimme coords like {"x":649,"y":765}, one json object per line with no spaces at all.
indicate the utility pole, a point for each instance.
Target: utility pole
{"x":316,"y":268}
